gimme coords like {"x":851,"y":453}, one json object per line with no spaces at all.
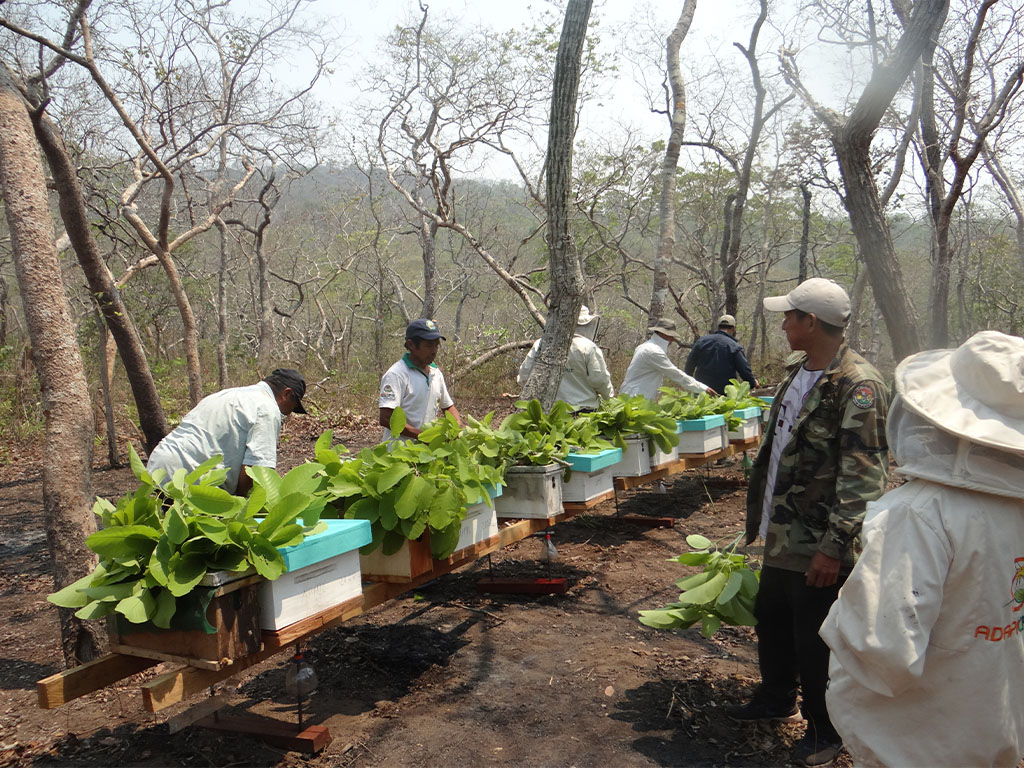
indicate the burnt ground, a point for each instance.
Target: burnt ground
{"x":442,"y":675}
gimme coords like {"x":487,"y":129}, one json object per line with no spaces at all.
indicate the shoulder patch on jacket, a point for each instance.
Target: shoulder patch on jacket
{"x":864,"y":396}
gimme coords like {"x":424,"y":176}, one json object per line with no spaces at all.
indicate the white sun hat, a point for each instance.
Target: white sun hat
{"x":585,"y":317}
{"x":975,"y":391}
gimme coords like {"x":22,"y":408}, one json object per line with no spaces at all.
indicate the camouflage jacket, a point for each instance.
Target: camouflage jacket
{"x":836,"y":460}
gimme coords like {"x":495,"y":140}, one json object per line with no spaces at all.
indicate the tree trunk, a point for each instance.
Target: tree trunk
{"x":732,"y":263}
{"x":428,"y":240}
{"x":667,"y":203}
{"x":67,"y":458}
{"x":1013,"y":196}
{"x":566,"y":277}
{"x":805,"y":232}
{"x":101,"y":282}
{"x":222,"y":305}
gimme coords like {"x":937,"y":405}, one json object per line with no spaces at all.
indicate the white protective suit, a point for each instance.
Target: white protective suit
{"x":585,"y":379}
{"x":927,"y":665}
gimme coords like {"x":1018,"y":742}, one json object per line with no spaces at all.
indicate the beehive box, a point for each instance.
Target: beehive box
{"x":414,"y":558}
{"x":217,"y":623}
{"x":323,"y":571}
{"x":702,"y":436}
{"x":593,"y":474}
{"x":531,"y":492}
{"x":750,"y":423}
{"x":660,"y":457}
{"x":636,"y":459}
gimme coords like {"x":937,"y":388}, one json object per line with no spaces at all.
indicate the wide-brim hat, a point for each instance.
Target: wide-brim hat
{"x":975,"y":391}
{"x":585,"y":317}
{"x":665,"y":328}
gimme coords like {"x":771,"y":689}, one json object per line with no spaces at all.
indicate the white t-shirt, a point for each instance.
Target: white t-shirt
{"x":792,"y":403}
{"x":649,"y":368}
{"x":422,"y":397}
{"x":241,"y":423}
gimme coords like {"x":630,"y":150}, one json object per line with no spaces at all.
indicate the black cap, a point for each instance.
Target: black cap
{"x":289,"y":377}
{"x":423,"y":329}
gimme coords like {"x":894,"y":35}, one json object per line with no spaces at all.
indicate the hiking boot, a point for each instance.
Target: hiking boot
{"x":811,"y":751}
{"x":759,"y":709}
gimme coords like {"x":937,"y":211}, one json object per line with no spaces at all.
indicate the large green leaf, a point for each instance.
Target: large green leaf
{"x":706,"y":592}
{"x":175,"y":526}
{"x":415,"y":497}
{"x":123,"y":541}
{"x":390,"y":477}
{"x":196,"y":474}
{"x":398,"y":422}
{"x":159,"y":561}
{"x":304,"y":479}
{"x":164,"y":611}
{"x":445,"y":508}
{"x":364,"y":509}
{"x":268,"y":479}
{"x":214,"y":501}
{"x":265,"y":558}
{"x":97,"y":609}
{"x":287,"y":536}
{"x":138,"y":608}
{"x":184,"y":572}
{"x":696,"y":541}
{"x":732,"y":587}
{"x":444,"y":541}
{"x":72,"y":595}
{"x":213,"y":529}
{"x":392,"y":542}
{"x":138,"y":468}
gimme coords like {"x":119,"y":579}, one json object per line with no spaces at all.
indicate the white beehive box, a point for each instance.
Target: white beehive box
{"x":750,"y":423}
{"x":593,"y":474}
{"x":531,"y":492}
{"x":323,"y":571}
{"x":702,"y":436}
{"x":636,"y":459}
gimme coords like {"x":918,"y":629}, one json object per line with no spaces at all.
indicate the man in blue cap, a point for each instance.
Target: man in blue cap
{"x":415,"y":383}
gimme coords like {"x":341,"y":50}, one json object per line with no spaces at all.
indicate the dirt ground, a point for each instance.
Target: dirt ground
{"x":442,"y":675}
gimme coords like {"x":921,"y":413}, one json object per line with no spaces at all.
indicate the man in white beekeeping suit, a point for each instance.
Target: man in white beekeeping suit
{"x":650,"y":365}
{"x":585,"y":379}
{"x":927,"y":636}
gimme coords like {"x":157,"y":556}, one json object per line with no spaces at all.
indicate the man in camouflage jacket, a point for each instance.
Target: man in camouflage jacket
{"x":830,"y":459}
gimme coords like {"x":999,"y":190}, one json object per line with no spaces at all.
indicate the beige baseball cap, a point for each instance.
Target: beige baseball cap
{"x":825,"y":299}
{"x":727,"y":321}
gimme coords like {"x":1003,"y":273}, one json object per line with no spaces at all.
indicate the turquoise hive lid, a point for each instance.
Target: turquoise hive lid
{"x":753,"y":412}
{"x":592,"y":462}
{"x":702,"y":424}
{"x":340,"y":536}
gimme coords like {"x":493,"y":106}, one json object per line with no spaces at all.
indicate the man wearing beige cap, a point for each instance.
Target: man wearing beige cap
{"x":824,"y":456}
{"x":718,"y":357}
{"x":650,"y":365}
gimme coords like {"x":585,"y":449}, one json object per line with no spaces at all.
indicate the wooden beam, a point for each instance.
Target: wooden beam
{"x":58,"y":689}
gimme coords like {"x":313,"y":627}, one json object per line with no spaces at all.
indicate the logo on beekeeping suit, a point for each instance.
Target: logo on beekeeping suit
{"x":431,"y":325}
{"x":1017,"y":585}
{"x":864,"y":397}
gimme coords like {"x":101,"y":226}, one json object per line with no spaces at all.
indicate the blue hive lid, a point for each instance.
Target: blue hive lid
{"x":702,"y":424}
{"x":341,"y":536}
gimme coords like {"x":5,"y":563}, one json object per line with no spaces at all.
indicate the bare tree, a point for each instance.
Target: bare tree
{"x":851,"y":138}
{"x":67,"y":457}
{"x":677,"y":125}
{"x":566,"y":277}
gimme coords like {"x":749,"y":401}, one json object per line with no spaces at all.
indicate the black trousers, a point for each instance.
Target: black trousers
{"x":790,"y":652}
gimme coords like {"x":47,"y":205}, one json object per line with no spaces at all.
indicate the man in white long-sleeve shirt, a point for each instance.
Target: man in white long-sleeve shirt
{"x":650,"y":365}
{"x":585,"y":379}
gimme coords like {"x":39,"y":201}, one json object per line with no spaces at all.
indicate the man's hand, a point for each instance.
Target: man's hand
{"x":823,"y":571}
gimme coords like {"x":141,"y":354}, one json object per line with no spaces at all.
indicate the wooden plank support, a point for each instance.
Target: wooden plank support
{"x":179,"y":684}
{"x":310,"y":740}
{"x":538,"y":586}
{"x":625,"y":483}
{"x":576,"y":507}
{"x":58,"y":689}
{"x":196,"y":713}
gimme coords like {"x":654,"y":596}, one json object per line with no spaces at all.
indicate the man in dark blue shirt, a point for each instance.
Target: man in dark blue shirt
{"x":718,"y":357}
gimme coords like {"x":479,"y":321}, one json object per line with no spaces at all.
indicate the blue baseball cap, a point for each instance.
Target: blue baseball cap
{"x":423,"y":329}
